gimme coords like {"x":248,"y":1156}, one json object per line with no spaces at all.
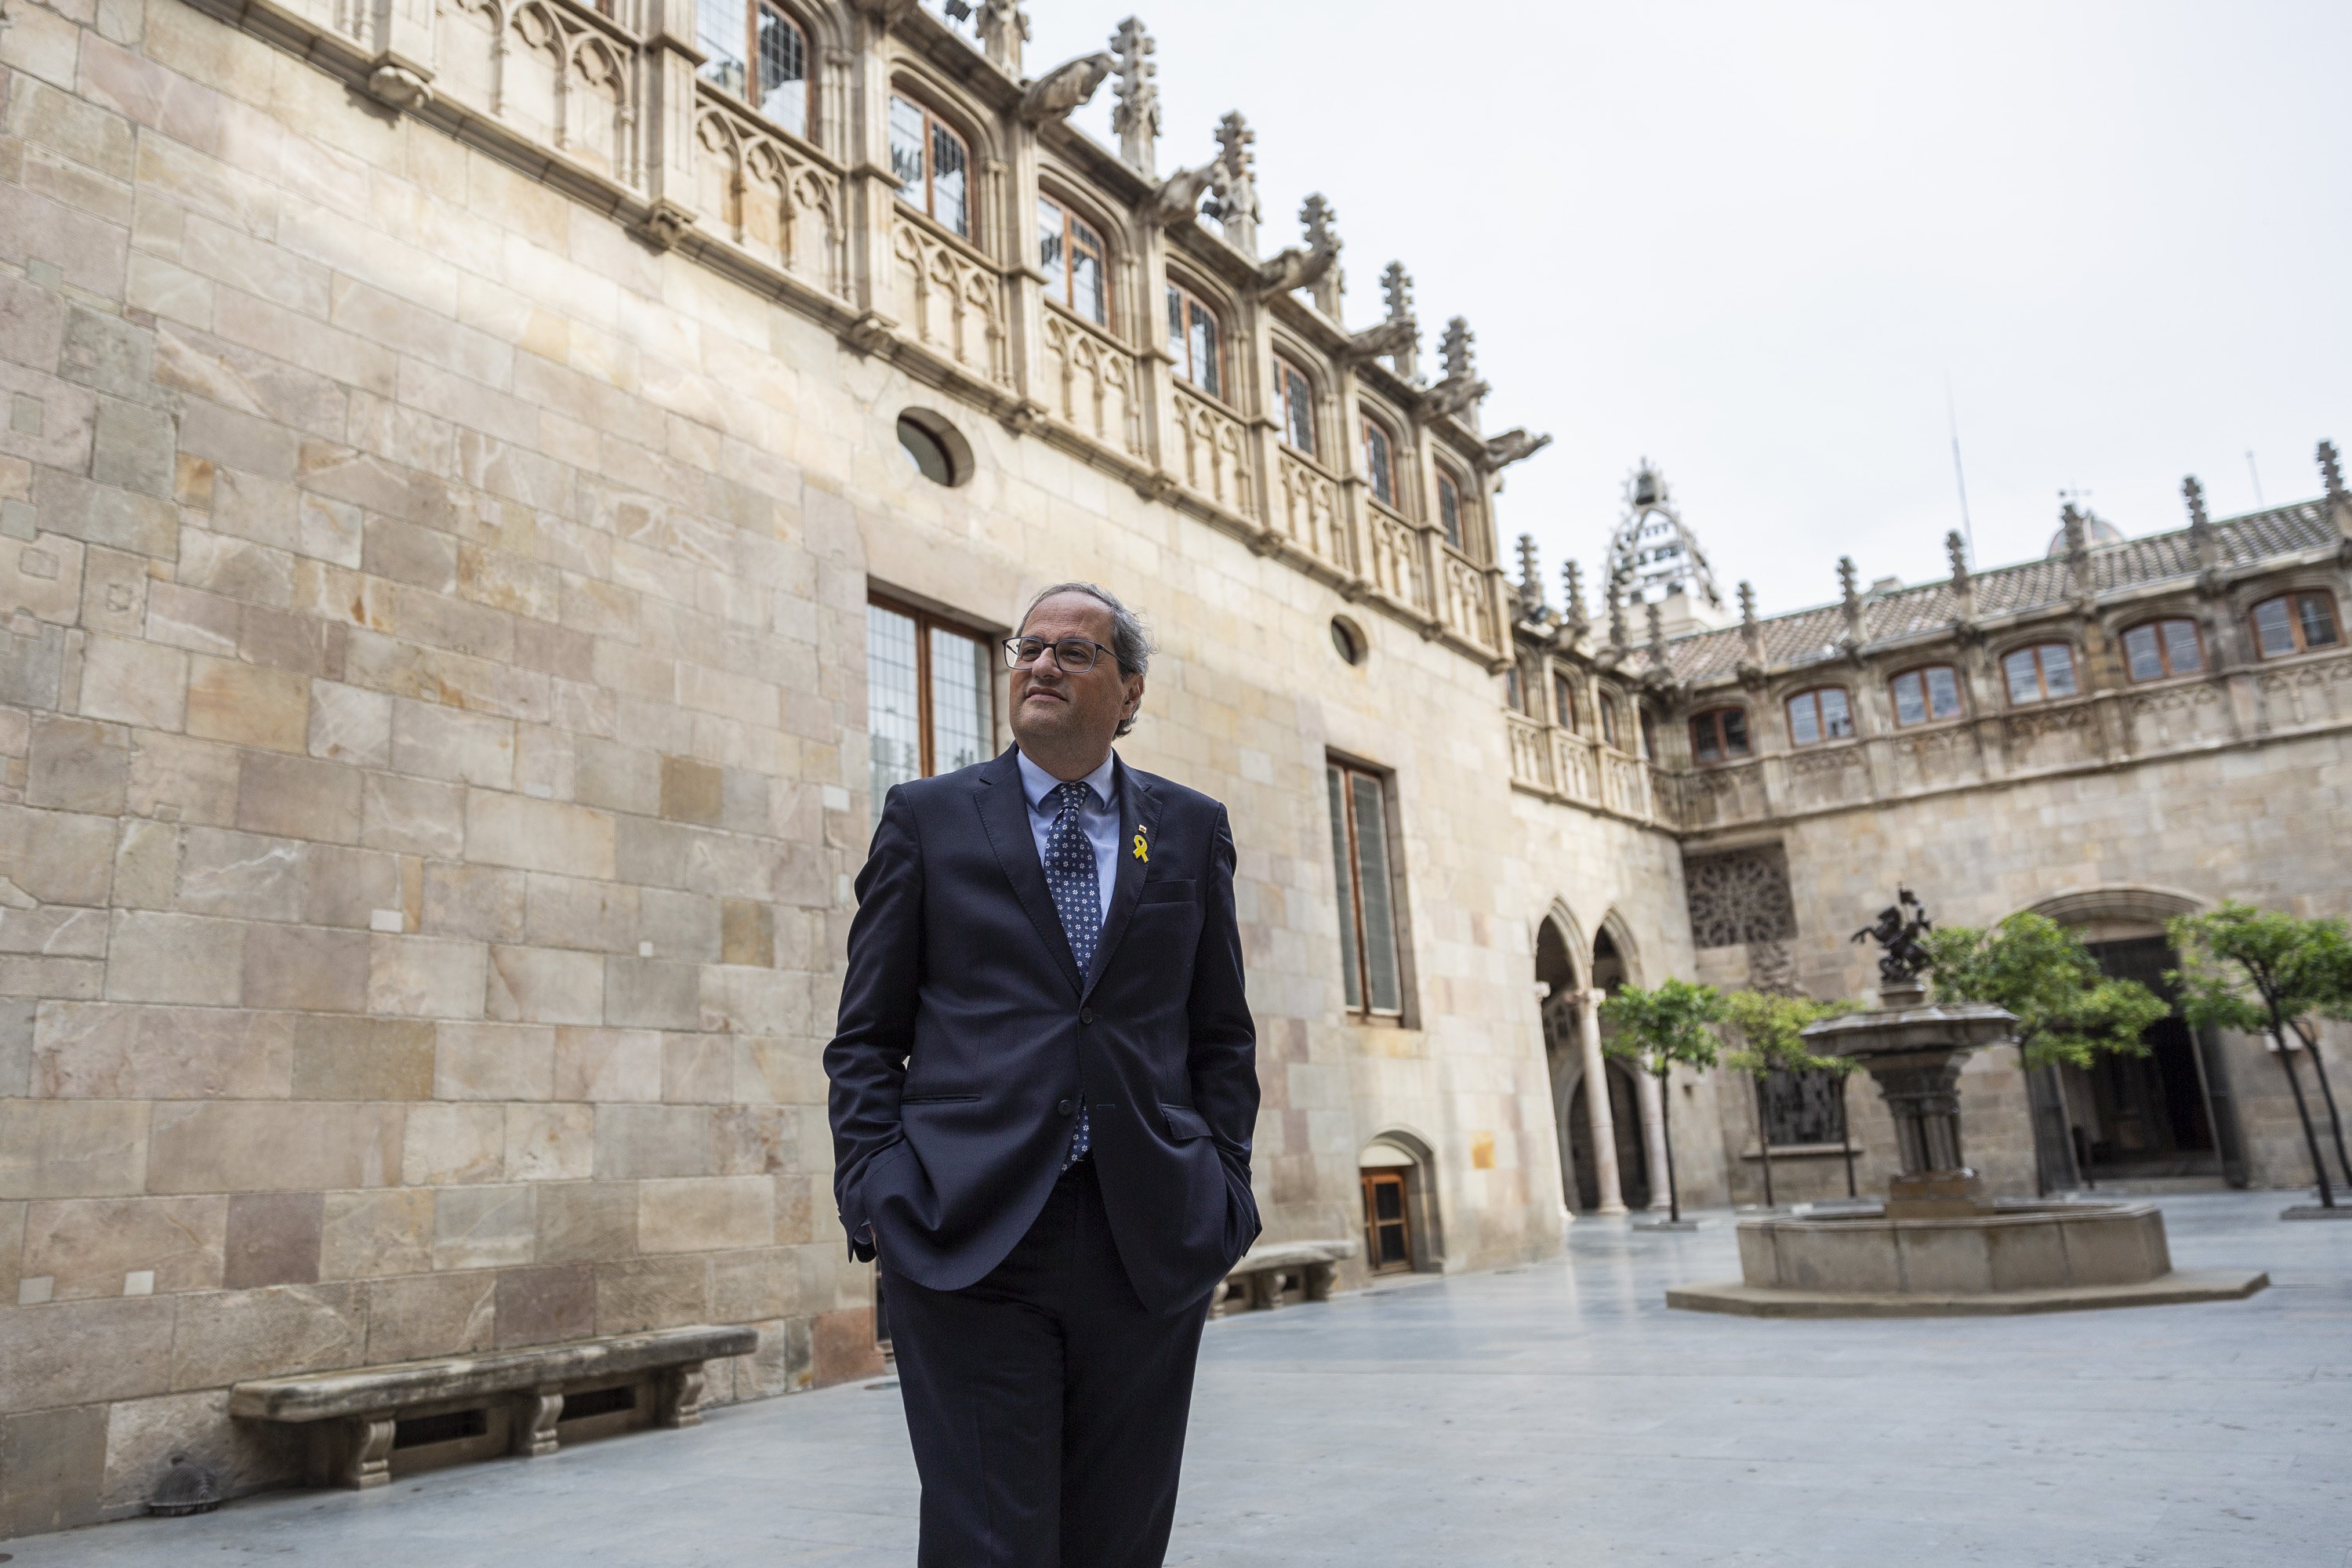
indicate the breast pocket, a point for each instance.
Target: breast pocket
{"x":1169,"y":890}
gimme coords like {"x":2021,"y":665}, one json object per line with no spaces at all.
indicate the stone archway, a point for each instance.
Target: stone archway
{"x":2170,"y":1112}
{"x":1590,"y":1132}
{"x":1616,"y":963}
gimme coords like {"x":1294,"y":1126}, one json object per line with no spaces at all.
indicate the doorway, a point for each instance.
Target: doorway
{"x":1387,"y":1223}
{"x":1625,"y":1125}
{"x":2145,"y":1116}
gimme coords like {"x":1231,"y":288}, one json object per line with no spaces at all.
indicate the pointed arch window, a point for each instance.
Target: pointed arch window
{"x":1449,"y":508}
{"x":933,"y":164}
{"x":761,"y":54}
{"x":1379,"y":461}
{"x":1195,"y":340}
{"x":1563,"y":700}
{"x":1296,"y":392}
{"x":1075,"y":260}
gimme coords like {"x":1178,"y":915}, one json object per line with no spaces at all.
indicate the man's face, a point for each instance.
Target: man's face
{"x":1070,"y":713}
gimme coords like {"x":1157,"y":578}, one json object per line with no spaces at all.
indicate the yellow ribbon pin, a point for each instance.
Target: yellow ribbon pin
{"x":1142,"y":849}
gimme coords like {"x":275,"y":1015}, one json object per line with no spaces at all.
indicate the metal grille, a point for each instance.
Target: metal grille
{"x":1806,"y":1107}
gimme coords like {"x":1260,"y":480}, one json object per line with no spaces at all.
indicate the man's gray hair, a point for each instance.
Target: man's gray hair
{"x":1131,"y":639}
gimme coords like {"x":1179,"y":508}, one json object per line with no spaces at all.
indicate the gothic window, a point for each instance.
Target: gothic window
{"x":2039,"y":674}
{"x":1927,"y":695}
{"x":929,"y":696}
{"x":1563,"y":700}
{"x":742,"y":39}
{"x":1296,"y":394}
{"x":1821,"y":714}
{"x":2154,"y":649}
{"x":1195,"y":341}
{"x":1379,"y":461}
{"x":1718,"y":735}
{"x":1739,"y":896}
{"x":1371,"y":975}
{"x":933,"y":164}
{"x":1609,"y":725}
{"x":1515,"y":690}
{"x":2295,"y":623}
{"x":1449,"y":508}
{"x":1805,"y":1107}
{"x":1075,"y":261}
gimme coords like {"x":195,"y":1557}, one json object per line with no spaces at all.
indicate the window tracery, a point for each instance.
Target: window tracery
{"x":1739,"y":896}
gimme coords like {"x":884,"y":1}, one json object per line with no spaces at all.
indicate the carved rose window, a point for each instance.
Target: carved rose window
{"x":1739,"y":896}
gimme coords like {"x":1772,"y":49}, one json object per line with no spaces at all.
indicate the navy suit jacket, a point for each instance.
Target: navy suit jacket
{"x":967,"y":1036}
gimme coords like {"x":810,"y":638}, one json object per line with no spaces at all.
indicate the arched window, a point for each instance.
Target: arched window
{"x":1515,"y":690}
{"x":1379,"y":461}
{"x":933,"y":164}
{"x":2154,"y":649}
{"x":1611,"y":727}
{"x":1563,"y":700}
{"x":2295,"y":623}
{"x":1296,"y":393}
{"x":1195,"y":340}
{"x":1821,"y":714}
{"x":1075,"y":260}
{"x":2041,"y":673}
{"x":1926,"y":695}
{"x":1718,"y":735}
{"x":759,"y":54}
{"x":1449,"y":507}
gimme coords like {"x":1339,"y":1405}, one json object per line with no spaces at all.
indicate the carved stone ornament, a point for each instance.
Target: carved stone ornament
{"x":1180,"y":195}
{"x":1062,"y":90}
{"x":1302,"y":266}
{"x":1452,"y":396}
{"x":1395,"y":336}
{"x":664,"y":224}
{"x":1135,"y":117}
{"x":1003,"y":27}
{"x":1739,"y":896}
{"x":1514,"y":447}
{"x":400,"y":86}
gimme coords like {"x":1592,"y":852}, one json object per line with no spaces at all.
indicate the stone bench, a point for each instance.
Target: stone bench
{"x":1265,"y":1271}
{"x":472,"y":1406}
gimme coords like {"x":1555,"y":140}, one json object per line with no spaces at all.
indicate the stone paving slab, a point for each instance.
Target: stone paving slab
{"x":1556,"y":1414}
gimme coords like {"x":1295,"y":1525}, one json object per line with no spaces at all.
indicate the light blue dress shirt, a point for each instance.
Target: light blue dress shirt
{"x":1098,"y":818}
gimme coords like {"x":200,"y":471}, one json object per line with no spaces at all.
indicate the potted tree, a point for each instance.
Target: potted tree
{"x":1657,"y":1030}
{"x":2067,"y":1011}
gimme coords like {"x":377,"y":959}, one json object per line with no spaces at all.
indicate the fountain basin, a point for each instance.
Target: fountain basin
{"x":2007,"y":1259}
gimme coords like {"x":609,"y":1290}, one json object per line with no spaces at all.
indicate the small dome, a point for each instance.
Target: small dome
{"x":2096,"y":530}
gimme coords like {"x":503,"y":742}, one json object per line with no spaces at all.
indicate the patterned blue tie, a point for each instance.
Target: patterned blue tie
{"x":1078,"y":898}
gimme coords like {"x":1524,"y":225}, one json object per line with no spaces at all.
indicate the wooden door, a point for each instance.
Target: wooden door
{"x":1387,"y":1227}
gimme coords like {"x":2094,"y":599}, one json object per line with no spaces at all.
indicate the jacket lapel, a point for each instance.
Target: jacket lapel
{"x":1138,"y":813}
{"x":1004,"y":814}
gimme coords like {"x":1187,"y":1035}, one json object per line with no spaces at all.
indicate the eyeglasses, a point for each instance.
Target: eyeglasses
{"x":1074,"y":655}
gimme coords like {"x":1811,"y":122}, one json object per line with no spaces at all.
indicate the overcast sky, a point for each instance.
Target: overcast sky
{"x":1753,"y":242}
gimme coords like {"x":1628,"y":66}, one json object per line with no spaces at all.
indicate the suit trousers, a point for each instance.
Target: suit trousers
{"x":1046,"y":1405}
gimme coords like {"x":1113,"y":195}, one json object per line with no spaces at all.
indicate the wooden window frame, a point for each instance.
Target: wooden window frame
{"x":1383,"y":476}
{"x":1363,"y":1010}
{"x":926,"y":747}
{"x":752,"y":93}
{"x":1927,"y":698}
{"x":1714,"y":718}
{"x":1613,"y":722}
{"x":2041,"y":674}
{"x":1821,"y":736}
{"x":935,"y":125}
{"x":1563,"y":700}
{"x":2164,"y":647}
{"x":1287,"y":371}
{"x":1073,"y":221}
{"x":1192,"y":302}
{"x":2293,"y":598}
{"x":1453,"y":522}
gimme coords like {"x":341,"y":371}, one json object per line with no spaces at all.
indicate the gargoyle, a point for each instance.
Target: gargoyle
{"x":1513,"y":447}
{"x":1453,"y":394}
{"x":1392,"y":336}
{"x":1054,"y":95}
{"x":1179,"y":196}
{"x":1295,"y":267}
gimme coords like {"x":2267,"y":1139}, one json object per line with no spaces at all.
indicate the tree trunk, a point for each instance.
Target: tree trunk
{"x":2334,"y":1122}
{"x":2302,"y":1109}
{"x":1764,"y":1143}
{"x":1666,"y":1116}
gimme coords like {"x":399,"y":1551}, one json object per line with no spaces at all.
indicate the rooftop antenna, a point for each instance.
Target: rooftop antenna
{"x":2256,"y":475}
{"x":1960,"y":474}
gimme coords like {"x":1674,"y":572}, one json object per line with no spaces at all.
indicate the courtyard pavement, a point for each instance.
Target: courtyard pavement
{"x":1552,"y":1413}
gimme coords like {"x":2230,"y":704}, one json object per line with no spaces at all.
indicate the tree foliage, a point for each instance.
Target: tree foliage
{"x":2066,"y":1010}
{"x":1672,"y":1025}
{"x":1772,"y":1032}
{"x":2260,"y":971}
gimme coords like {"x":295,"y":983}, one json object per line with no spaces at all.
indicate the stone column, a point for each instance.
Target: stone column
{"x":1597,"y":1113}
{"x":1653,"y":1135}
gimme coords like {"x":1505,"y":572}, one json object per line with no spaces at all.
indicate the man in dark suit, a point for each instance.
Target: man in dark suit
{"x":1045,"y":1085}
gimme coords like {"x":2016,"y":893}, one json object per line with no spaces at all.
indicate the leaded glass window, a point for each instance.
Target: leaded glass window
{"x":1359,"y":856}
{"x":929,"y":696}
{"x":932,"y":164}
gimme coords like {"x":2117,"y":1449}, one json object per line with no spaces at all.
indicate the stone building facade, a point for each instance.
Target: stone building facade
{"x":488,"y":490}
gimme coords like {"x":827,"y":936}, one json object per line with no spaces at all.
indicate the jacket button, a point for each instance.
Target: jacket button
{"x":1085,"y":1014}
{"x":1068,"y":1108}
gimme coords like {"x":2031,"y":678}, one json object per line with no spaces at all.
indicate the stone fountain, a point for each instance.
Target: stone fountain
{"x":1938,"y":1246}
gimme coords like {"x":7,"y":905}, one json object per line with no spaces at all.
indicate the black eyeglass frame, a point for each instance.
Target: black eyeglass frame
{"x":1013,"y":653}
